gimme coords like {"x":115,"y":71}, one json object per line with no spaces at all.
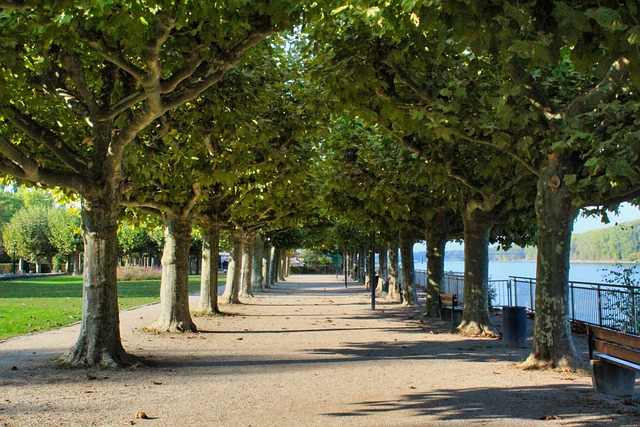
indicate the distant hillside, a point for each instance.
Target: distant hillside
{"x":617,"y":243}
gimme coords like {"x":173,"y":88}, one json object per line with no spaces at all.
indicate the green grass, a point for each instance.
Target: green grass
{"x":38,"y":304}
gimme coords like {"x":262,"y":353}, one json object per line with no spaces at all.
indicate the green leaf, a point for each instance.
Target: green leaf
{"x":607,"y":18}
{"x":570,"y":179}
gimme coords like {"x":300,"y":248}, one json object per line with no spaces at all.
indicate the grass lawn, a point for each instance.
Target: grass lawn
{"x":38,"y":304}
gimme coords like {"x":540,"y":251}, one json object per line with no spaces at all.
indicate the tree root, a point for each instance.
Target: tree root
{"x":172,"y":327}
{"x":80,"y":359}
{"x":475,"y":329}
{"x":533,"y":362}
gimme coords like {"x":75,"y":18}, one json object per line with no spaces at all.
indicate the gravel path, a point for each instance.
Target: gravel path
{"x":307,"y":353}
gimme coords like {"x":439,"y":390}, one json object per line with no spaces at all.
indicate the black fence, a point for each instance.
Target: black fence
{"x":608,"y":305}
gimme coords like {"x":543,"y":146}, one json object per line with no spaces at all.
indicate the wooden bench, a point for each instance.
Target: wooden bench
{"x":449,"y":308}
{"x":615,"y":359}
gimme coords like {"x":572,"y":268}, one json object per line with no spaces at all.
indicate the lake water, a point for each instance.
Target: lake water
{"x":501,"y":270}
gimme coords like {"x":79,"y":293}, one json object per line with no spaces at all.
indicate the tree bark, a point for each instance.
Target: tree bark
{"x":256,"y":265}
{"x":273,"y":268}
{"x":209,"y":279}
{"x":246,"y":289}
{"x":266,"y":264}
{"x":409,"y":291}
{"x":552,"y":342}
{"x":232,"y":288}
{"x":281,"y":264}
{"x":99,"y":344}
{"x":382,"y":260}
{"x":436,"y":237}
{"x":475,"y":317}
{"x":174,"y":287}
{"x":394,"y":283}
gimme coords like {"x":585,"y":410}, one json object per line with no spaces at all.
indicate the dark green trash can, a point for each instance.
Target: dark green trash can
{"x":514,"y":326}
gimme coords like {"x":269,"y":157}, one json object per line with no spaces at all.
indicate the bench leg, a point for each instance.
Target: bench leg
{"x":612,"y":379}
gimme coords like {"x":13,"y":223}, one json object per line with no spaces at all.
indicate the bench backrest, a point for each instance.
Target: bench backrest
{"x":617,"y":344}
{"x":448,"y":300}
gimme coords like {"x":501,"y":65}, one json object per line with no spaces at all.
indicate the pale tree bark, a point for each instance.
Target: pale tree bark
{"x":475,"y":316}
{"x":99,"y":344}
{"x":274,"y":264}
{"x":266,"y":264}
{"x":208,"y":303}
{"x":394,"y":283}
{"x":247,"y":265}
{"x":282,"y":255}
{"x":552,"y":342}
{"x":436,"y":238}
{"x":256,"y":265}
{"x":362,"y":264}
{"x":409,"y":291}
{"x":382,"y":260}
{"x":234,"y":272}
{"x":174,"y":288}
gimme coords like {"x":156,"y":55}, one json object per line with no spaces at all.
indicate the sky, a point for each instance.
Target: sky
{"x":628,"y":212}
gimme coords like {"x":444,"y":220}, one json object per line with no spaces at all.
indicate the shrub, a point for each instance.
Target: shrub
{"x":131,"y":273}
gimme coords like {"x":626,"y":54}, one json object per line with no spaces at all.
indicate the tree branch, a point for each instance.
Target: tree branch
{"x":405,"y":78}
{"x":47,"y":139}
{"x":532,"y":91}
{"x":603,"y":91}
{"x":627,"y":196}
{"x":197,"y":192}
{"x":531,"y":168}
{"x":72,"y":63}
{"x":15,"y":5}
{"x":114,"y":56}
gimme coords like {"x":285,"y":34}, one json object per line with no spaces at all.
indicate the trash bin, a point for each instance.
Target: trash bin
{"x":514,"y":326}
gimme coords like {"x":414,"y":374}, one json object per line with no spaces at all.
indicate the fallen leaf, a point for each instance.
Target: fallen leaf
{"x":157,"y":382}
{"x":550,"y":417}
{"x":89,"y":391}
{"x":90,"y":376}
{"x":493,"y":360}
{"x":497,"y":373}
{"x":14,"y":368}
{"x":239,"y":339}
{"x":412,"y":387}
{"x":142,"y":415}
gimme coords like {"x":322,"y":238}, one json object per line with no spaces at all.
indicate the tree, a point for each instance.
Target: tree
{"x":101,"y":75}
{"x":65,"y":234}
{"x":28,"y":235}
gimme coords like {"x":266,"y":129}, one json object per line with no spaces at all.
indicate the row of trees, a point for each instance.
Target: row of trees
{"x":621,"y":243}
{"x":387,"y":121}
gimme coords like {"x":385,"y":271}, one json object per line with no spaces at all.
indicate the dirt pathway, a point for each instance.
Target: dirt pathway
{"x":307,"y":353}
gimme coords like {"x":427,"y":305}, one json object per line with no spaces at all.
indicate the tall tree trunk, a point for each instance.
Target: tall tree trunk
{"x":275,"y":263}
{"x":552,"y":342}
{"x":436,"y":236}
{"x":409,"y":291}
{"x":209,"y":279}
{"x":256,"y":265}
{"x":266,"y":264}
{"x":99,"y":343}
{"x":234,"y":272}
{"x":362,"y":256}
{"x":247,"y":266}
{"x":475,"y":317}
{"x":382,"y":260}
{"x":281,"y":264}
{"x":174,"y":287}
{"x":394,"y":283}
{"x":76,"y":264}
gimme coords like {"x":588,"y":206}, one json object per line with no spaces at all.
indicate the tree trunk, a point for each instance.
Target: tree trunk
{"x":382,"y":260}
{"x":76,"y":264}
{"x":256,"y":265}
{"x":552,"y":342}
{"x":475,"y":317}
{"x":436,"y":237}
{"x":99,"y":343}
{"x":394,"y":283}
{"x":209,"y":279}
{"x":232,"y":288}
{"x":362,"y":256}
{"x":247,"y":266}
{"x":273,"y":266}
{"x":266,"y":264}
{"x":409,"y":291}
{"x":174,"y":287}
{"x":281,"y":264}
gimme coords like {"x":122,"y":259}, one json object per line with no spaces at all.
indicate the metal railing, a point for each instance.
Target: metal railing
{"x":608,"y":305}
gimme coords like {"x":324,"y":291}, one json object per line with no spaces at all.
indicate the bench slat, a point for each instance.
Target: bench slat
{"x":616,"y":350}
{"x":617,"y":361}
{"x":615,"y":336}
